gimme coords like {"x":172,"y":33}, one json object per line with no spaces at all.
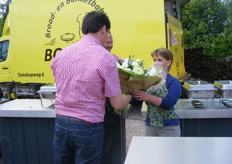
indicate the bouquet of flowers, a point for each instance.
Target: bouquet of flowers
{"x":133,"y":76}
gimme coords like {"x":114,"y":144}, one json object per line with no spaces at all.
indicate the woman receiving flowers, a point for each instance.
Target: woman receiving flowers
{"x":161,"y":99}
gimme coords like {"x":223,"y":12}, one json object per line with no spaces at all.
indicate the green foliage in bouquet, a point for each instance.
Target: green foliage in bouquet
{"x":130,"y":67}
{"x":123,"y":112}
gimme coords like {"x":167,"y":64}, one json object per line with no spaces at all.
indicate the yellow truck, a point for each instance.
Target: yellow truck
{"x":36,"y":30}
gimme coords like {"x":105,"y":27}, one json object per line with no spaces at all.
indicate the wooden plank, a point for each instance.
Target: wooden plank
{"x":6,"y":141}
{"x":30,"y":139}
{"x":44,"y":140}
{"x":51,"y":129}
{"x":18,"y":141}
{"x":230,"y":127}
{"x":206,"y":127}
{"x":189,"y":128}
{"x":221,"y":128}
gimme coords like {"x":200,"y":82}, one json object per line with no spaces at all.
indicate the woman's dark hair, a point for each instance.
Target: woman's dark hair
{"x":94,"y":21}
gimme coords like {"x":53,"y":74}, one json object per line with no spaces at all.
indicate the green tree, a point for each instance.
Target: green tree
{"x":4,"y":8}
{"x":206,"y":24}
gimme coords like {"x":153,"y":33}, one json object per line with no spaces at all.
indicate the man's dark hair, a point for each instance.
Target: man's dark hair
{"x":94,"y":21}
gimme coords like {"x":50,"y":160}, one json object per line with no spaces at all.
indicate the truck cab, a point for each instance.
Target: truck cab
{"x":4,"y":60}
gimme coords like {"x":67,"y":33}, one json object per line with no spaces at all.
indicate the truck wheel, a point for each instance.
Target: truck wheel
{"x":1,"y":94}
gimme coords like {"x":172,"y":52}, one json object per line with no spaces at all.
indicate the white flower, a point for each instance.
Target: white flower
{"x":127,"y":69}
{"x":151,"y":71}
{"x":132,"y":65}
{"x":138,"y":70}
{"x":120,"y":66}
{"x":125,"y":65}
{"x":127,"y":60}
{"x":135,"y":64}
{"x":155,"y":71}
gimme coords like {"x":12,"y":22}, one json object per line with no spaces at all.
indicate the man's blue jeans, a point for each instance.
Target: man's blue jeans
{"x":77,"y":142}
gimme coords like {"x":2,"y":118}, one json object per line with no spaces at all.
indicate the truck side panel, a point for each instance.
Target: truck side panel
{"x":40,"y":29}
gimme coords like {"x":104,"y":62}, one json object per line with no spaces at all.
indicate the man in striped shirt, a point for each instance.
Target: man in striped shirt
{"x":85,"y":73}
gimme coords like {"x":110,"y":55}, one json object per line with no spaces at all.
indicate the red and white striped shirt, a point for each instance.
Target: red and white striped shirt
{"x":85,"y":73}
